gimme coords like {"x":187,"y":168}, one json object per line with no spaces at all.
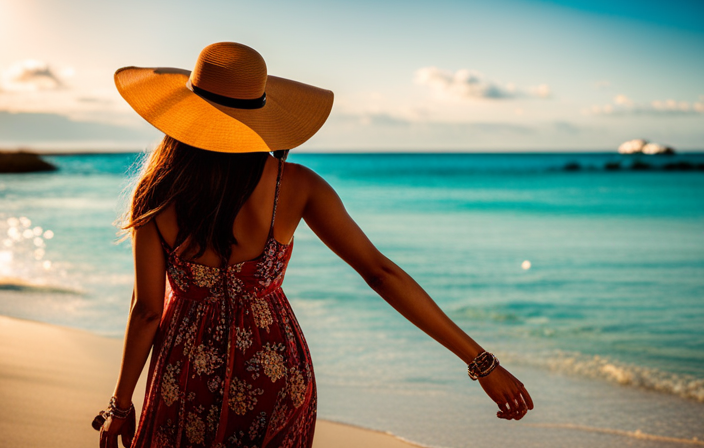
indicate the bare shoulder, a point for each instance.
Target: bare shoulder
{"x":166,"y":223}
{"x":147,"y":231}
{"x":166,"y":217}
{"x":300,"y":174}
{"x":306,"y":180}
{"x":305,"y":191}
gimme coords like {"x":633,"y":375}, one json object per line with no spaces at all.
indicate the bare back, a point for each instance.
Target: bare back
{"x":252,"y":224}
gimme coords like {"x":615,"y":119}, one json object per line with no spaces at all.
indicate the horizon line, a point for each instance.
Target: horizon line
{"x":354,"y":151}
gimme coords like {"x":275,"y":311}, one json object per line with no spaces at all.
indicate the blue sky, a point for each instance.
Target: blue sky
{"x":506,"y":75}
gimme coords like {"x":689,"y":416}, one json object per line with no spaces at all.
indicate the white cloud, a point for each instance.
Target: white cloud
{"x":466,"y":83}
{"x":31,"y":76}
{"x":371,"y":119}
{"x":32,"y":86}
{"x":622,"y":105}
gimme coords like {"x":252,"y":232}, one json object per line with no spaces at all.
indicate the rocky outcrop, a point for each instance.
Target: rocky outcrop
{"x":23,"y":162}
{"x":640,"y":146}
{"x":656,"y":148}
{"x":632,"y":146}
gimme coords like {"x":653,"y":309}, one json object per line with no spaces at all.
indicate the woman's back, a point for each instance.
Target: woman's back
{"x":254,"y":220}
{"x":230,"y":366}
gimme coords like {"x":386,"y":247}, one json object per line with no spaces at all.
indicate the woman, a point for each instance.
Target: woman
{"x":215,"y":214}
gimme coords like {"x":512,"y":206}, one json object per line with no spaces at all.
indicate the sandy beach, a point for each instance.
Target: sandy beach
{"x":53,"y":380}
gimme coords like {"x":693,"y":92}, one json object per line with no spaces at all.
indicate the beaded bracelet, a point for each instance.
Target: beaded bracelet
{"x":111,"y":411}
{"x":482,"y":365}
{"x":116,"y":412}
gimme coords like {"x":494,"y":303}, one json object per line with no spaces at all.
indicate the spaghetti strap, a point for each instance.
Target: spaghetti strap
{"x":276,"y":196}
{"x":164,"y":244}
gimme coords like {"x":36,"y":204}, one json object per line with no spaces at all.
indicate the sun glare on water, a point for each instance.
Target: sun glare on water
{"x":23,"y":248}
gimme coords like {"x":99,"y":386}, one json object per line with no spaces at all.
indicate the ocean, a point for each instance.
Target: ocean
{"x":586,"y":280}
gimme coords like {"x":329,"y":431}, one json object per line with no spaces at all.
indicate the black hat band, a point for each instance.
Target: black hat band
{"x":256,"y":103}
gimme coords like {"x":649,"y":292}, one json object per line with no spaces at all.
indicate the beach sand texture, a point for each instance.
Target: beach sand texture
{"x":53,"y":380}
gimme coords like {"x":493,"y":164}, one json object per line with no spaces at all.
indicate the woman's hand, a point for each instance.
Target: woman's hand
{"x":113,"y":427}
{"x":508,"y":393}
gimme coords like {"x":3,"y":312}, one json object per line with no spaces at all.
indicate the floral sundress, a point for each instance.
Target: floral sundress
{"x":230,"y":366}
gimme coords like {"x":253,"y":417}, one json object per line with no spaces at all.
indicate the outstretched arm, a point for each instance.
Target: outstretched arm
{"x":326,"y":216}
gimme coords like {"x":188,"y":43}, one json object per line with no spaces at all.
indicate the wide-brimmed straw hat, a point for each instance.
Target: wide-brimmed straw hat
{"x":227,"y":103}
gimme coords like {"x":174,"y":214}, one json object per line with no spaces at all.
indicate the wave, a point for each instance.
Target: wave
{"x":533,"y":313}
{"x":494,"y":314}
{"x":598,"y":367}
{"x":23,"y":285}
{"x":637,"y":434}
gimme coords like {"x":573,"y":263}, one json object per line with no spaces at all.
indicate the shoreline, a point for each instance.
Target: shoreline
{"x":54,"y":379}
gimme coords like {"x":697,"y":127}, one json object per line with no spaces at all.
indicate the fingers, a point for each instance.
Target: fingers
{"x":126,"y":441}
{"x":128,"y":430}
{"x":504,"y":411}
{"x":526,"y":397}
{"x":512,"y":408}
{"x":108,"y":440}
{"x":509,"y":394}
{"x":104,"y":435}
{"x":521,"y":407}
{"x":112,"y":441}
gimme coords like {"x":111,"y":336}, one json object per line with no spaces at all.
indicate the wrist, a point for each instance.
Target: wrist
{"x":115,"y":411}
{"x":482,"y":365}
{"x":122,"y":401}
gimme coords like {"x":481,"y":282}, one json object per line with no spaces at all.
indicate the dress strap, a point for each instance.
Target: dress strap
{"x":276,"y":196}
{"x":164,"y":244}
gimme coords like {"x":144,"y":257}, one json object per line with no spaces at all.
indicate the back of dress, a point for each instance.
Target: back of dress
{"x":230,"y":366}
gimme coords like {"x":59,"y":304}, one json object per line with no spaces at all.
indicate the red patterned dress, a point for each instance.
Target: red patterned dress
{"x":230,"y":366}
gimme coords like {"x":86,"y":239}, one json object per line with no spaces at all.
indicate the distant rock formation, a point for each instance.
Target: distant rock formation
{"x":612,"y":166}
{"x":641,"y":146}
{"x":656,"y":148}
{"x":637,"y":165}
{"x":23,"y":162}
{"x":632,"y":146}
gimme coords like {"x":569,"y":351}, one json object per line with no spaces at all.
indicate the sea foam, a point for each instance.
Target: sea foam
{"x":604,"y":368}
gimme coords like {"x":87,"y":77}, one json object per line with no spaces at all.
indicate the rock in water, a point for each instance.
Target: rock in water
{"x":632,"y":146}
{"x":637,"y":165}
{"x":657,"y":149}
{"x":572,"y":166}
{"x":23,"y":162}
{"x":640,"y":146}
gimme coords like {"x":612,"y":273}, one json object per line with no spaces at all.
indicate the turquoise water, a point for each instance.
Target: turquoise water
{"x":611,"y":308}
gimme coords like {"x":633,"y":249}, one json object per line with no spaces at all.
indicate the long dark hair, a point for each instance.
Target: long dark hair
{"x":207,"y":189}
